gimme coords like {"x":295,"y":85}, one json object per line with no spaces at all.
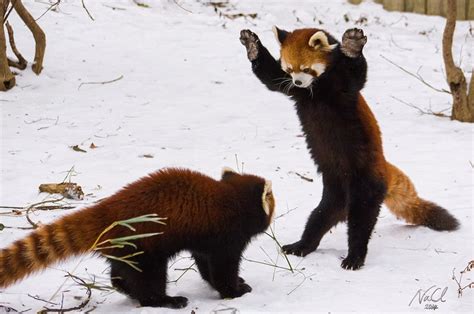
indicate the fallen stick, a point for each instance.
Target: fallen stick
{"x":66,"y":189}
{"x":100,"y":83}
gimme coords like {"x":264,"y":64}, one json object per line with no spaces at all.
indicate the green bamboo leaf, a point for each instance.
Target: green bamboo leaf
{"x":108,"y":247}
{"x":121,"y":223}
{"x":125,"y":260}
{"x":143,"y":218}
{"x":133,"y":237}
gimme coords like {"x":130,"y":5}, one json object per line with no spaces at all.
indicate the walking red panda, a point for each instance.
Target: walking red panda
{"x":215,"y":220}
{"x":324,"y":78}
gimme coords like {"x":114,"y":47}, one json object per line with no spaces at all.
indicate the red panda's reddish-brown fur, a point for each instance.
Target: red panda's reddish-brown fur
{"x":401,"y":197}
{"x":203,"y":215}
{"x":296,"y":52}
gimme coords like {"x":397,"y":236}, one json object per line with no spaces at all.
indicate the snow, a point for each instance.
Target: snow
{"x":188,"y":97}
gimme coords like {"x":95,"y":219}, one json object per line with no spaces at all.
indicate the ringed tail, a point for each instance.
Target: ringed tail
{"x":403,"y":200}
{"x":66,"y":237}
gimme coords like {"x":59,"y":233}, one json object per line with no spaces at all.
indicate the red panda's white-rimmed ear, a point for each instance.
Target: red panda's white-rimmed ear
{"x":320,"y":40}
{"x":227,"y":172}
{"x":280,"y":34}
{"x":267,"y":203}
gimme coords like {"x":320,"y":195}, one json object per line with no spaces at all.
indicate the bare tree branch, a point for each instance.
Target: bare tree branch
{"x":7,"y":79}
{"x":38,"y":35}
{"x":22,"y":63}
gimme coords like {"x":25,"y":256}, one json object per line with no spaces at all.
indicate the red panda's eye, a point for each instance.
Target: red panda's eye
{"x":306,"y":70}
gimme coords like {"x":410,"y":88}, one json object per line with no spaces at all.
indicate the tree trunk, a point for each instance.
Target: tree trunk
{"x":7,"y":80}
{"x":461,"y":110}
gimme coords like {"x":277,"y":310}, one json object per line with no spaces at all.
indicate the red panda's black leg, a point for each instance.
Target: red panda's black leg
{"x":366,"y":197}
{"x":202,"y":263}
{"x":224,"y":271}
{"x":327,"y":214}
{"x":351,"y":67}
{"x":148,"y":287}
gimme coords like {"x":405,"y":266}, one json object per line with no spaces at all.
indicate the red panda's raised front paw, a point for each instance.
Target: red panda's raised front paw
{"x":251,"y":42}
{"x":353,"y":42}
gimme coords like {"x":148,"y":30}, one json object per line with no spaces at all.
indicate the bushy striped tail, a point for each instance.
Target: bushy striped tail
{"x":402,"y":200}
{"x":48,"y":244}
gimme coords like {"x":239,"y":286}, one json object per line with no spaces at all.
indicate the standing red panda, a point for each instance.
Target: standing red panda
{"x":324,"y":78}
{"x":215,"y":220}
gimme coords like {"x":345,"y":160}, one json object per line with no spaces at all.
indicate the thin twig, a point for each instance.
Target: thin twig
{"x":303,"y":177}
{"x":179,"y":5}
{"x":417,"y":76}
{"x":42,"y":300}
{"x":13,"y":2}
{"x":19,"y":228}
{"x":398,"y":46}
{"x":114,"y":8}
{"x":287,"y":212}
{"x":82,"y":305}
{"x":31,"y":207}
{"x":184,"y":272}
{"x":469,"y":267}
{"x":429,"y":112}
{"x":267,"y":264}
{"x":87,"y":11}
{"x":101,"y":83}
{"x":17,"y":210}
{"x":51,"y":7}
{"x":273,"y":237}
{"x":301,"y":283}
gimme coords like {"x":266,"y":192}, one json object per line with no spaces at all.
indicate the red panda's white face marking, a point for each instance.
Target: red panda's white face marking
{"x":304,"y":54}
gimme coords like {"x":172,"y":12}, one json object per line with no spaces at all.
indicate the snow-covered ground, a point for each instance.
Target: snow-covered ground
{"x":188,"y":98}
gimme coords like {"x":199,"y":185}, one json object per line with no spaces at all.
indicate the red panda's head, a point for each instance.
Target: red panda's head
{"x":305,"y":53}
{"x":253,"y":190}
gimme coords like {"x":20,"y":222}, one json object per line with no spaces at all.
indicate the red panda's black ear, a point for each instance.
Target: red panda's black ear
{"x":280,"y":34}
{"x":227,"y":173}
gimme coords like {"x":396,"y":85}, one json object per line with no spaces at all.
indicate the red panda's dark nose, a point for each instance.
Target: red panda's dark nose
{"x":298,"y":82}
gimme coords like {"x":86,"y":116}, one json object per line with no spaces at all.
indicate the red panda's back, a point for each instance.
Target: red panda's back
{"x":191,"y":202}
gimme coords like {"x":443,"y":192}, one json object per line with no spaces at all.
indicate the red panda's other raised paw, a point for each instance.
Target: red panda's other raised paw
{"x":251,"y":42}
{"x":353,"y":41}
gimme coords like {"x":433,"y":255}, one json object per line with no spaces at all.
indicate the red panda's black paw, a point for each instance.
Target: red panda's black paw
{"x":353,"y":42}
{"x":241,"y":280}
{"x":251,"y":42}
{"x":166,"y":301}
{"x":242,"y":288}
{"x":298,"y":248}
{"x":352,"y":262}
